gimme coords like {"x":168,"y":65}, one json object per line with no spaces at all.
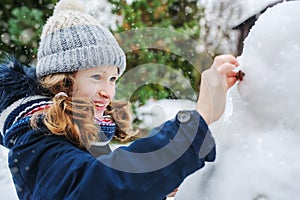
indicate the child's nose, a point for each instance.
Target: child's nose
{"x":104,"y":94}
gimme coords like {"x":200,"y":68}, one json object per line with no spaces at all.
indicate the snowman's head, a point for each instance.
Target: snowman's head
{"x":271,"y":62}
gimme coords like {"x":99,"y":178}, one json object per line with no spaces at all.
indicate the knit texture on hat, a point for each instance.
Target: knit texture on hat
{"x":73,"y":40}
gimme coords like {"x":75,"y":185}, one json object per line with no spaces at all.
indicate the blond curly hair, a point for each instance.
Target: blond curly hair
{"x":74,"y":117}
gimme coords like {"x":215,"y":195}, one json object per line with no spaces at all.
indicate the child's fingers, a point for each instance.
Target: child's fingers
{"x":219,"y":60}
{"x":226,"y":68}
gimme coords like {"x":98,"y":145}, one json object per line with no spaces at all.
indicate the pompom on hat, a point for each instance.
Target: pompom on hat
{"x":73,"y":40}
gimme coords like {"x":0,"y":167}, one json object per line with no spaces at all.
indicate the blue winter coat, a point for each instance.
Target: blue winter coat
{"x":46,"y":166}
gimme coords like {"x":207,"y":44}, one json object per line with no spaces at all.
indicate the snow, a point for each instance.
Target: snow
{"x":258,"y":149}
{"x":248,"y":8}
{"x":155,"y":112}
{"x":252,"y":7}
{"x":6,"y":184}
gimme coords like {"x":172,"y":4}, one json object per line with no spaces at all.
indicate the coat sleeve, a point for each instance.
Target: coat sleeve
{"x":49,"y":167}
{"x":152,"y":167}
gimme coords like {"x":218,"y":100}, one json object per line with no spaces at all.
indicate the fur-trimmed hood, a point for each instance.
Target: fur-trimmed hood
{"x":18,"y":84}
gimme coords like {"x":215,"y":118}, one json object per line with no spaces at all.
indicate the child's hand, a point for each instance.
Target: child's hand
{"x":172,"y":194}
{"x":214,"y":84}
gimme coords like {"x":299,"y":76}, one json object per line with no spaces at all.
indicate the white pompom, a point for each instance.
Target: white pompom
{"x":64,"y":5}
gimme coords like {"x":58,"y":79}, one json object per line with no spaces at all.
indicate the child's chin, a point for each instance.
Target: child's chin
{"x":99,"y":114}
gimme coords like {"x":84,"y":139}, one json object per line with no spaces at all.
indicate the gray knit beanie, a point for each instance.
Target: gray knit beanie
{"x":73,"y":40}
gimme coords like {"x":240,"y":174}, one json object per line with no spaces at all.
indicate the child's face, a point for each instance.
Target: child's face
{"x":98,"y":85}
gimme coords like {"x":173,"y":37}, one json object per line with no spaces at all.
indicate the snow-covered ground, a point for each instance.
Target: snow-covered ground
{"x":6,"y":184}
{"x":154,"y":113}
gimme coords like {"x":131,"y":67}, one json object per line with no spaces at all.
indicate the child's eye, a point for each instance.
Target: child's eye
{"x":97,"y":77}
{"x":113,"y":79}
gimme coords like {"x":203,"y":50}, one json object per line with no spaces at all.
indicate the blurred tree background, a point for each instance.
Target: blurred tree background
{"x":20,"y":27}
{"x":21,"y":24}
{"x":164,"y":47}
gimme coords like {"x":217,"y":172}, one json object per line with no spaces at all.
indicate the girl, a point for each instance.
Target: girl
{"x":52,"y":114}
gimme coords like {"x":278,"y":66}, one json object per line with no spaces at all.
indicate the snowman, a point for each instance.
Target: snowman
{"x":258,"y":138}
